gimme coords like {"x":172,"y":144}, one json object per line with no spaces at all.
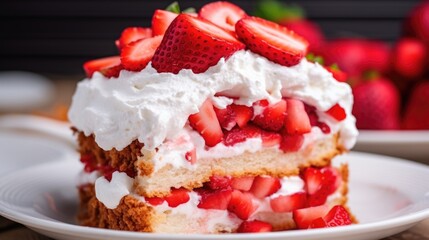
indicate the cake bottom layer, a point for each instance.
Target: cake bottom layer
{"x":134,"y":213}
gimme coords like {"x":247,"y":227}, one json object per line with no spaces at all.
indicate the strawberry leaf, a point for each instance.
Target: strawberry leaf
{"x":173,"y":7}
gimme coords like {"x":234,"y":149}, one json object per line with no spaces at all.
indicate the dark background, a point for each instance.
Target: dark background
{"x":57,"y":36}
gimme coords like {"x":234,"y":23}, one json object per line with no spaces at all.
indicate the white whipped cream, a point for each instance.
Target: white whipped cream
{"x":111,"y":193}
{"x":152,"y":107}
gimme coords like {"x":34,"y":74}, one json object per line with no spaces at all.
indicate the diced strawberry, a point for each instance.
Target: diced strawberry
{"x":289,"y":203}
{"x":320,"y":183}
{"x":177,"y":197}
{"x":191,"y":156}
{"x":270,"y":139}
{"x":87,"y":158}
{"x":337,"y":112}
{"x":226,"y":117}
{"x":193,"y":43}
{"x":273,"y":116}
{"x":305,"y":216}
{"x":272,"y":40}
{"x":241,"y":204}
{"x":219,"y":182}
{"x":100,"y":64}
{"x":337,"y":216}
{"x":313,"y":179}
{"x":206,"y":123}
{"x":264,"y":186}
{"x":161,"y":19}
{"x":291,"y":143}
{"x":237,"y":135}
{"x":254,"y":226}
{"x":243,"y":114}
{"x":242,"y":183}
{"x":215,"y":199}
{"x":324,"y":127}
{"x":136,"y":55}
{"x":154,"y":200}
{"x":297,"y":120}
{"x":223,"y":14}
{"x":131,"y":34}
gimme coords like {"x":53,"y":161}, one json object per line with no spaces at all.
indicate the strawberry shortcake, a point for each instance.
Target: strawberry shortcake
{"x":211,"y":122}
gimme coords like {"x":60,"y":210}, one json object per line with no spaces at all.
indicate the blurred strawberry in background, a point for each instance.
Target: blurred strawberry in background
{"x":390,"y":81}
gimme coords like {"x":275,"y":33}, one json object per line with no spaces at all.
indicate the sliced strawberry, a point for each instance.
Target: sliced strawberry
{"x":241,"y":204}
{"x":112,"y":71}
{"x":215,"y":199}
{"x":272,"y":117}
{"x":191,"y":156}
{"x":243,"y":114}
{"x":337,"y":216}
{"x":270,"y":139}
{"x":177,"y":197}
{"x":291,"y":143}
{"x":206,"y":123}
{"x":324,"y":127}
{"x":304,"y":217}
{"x":100,"y":64}
{"x":161,"y":19}
{"x":193,"y":43}
{"x":223,"y":14}
{"x":242,"y":183}
{"x":254,"y":226}
{"x":136,"y":55}
{"x":237,"y":135}
{"x":337,"y":112}
{"x":297,"y":120}
{"x":226,"y":117}
{"x":313,"y":179}
{"x":131,"y":34}
{"x":219,"y":182}
{"x":264,"y":186}
{"x":272,"y":40}
{"x":339,"y":75}
{"x":154,"y":200}
{"x":320,"y":183}
{"x":289,"y":203}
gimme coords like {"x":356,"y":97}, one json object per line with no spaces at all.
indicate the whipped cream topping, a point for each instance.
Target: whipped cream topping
{"x":152,"y":107}
{"x":111,"y":193}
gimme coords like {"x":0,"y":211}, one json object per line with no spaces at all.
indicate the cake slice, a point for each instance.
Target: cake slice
{"x":212,"y":126}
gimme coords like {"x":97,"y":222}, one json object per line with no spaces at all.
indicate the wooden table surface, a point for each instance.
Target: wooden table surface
{"x":13,"y":231}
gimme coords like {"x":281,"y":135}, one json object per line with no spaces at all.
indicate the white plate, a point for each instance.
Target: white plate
{"x":387,"y":195}
{"x":404,"y":144}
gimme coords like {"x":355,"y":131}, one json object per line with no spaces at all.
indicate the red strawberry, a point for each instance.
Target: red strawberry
{"x":308,"y":30}
{"x":270,"y":139}
{"x":271,"y":40}
{"x":289,"y":203}
{"x":291,"y":143}
{"x":154,"y":200}
{"x":226,"y":117}
{"x":409,"y":58}
{"x":219,"y":182}
{"x":215,"y":199}
{"x":337,"y":216}
{"x":339,"y":75}
{"x":193,"y":43}
{"x":136,"y":55}
{"x":132,"y":34}
{"x":223,"y":14}
{"x":112,"y":71}
{"x":241,"y":204}
{"x":242,"y":114}
{"x":417,"y":109}
{"x":337,"y":112}
{"x":297,"y":120}
{"x":101,"y":64}
{"x":305,"y":216}
{"x":320,"y":183}
{"x":254,"y":226}
{"x":264,"y":186}
{"x":376,"y":105}
{"x":161,"y":19}
{"x":237,"y":135}
{"x":417,"y":23}
{"x":191,"y":156}
{"x":242,"y":183}
{"x":272,"y":117}
{"x":177,"y":197}
{"x":206,"y":123}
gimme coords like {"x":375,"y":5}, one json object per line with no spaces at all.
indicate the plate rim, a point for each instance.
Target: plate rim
{"x":393,"y":136}
{"x":68,"y":229}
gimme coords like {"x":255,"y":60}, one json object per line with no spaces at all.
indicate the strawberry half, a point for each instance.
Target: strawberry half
{"x":101,"y":64}
{"x":132,"y":34}
{"x":289,"y":203}
{"x":272,"y":40}
{"x":264,"y":186}
{"x":223,"y":14}
{"x":254,"y":226}
{"x":136,"y":55}
{"x":273,"y":116}
{"x":206,"y":123}
{"x":161,"y":19}
{"x":193,"y":43}
{"x":241,"y":204}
